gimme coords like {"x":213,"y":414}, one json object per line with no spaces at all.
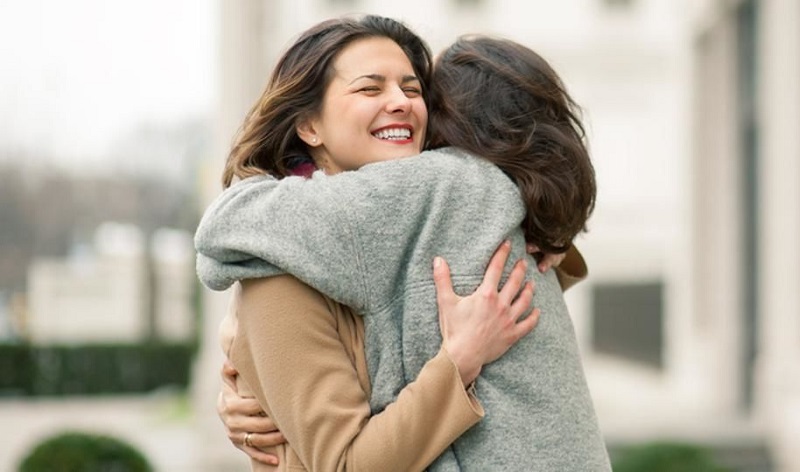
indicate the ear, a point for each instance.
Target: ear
{"x":307,"y":131}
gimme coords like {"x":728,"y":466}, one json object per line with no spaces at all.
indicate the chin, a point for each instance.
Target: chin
{"x":393,"y":153}
{"x":406,"y":151}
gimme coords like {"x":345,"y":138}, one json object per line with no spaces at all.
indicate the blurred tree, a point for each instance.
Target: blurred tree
{"x":666,"y":457}
{"x":53,"y":215}
{"x":56,"y":211}
{"x":16,"y":228}
{"x":84,"y":452}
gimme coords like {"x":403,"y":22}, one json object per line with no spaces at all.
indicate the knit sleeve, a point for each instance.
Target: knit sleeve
{"x":359,"y":236}
{"x":264,"y":227}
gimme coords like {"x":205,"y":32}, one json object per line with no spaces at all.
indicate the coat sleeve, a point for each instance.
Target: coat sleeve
{"x":572,"y":269}
{"x":289,"y":351}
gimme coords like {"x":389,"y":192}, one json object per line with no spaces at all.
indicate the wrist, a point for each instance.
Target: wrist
{"x":466,"y":363}
{"x":468,"y":376}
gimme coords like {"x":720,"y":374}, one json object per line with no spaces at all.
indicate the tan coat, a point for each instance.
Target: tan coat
{"x":302,"y":356}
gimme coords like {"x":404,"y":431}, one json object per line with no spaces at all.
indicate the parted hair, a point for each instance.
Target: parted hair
{"x":502,"y":101}
{"x":267,"y":141}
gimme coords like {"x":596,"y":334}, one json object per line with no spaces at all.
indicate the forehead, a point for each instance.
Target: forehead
{"x":371,"y":56}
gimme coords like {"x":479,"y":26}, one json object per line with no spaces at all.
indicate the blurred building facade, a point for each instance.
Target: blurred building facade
{"x":105,"y":292}
{"x":688,"y":322}
{"x":746,"y":213}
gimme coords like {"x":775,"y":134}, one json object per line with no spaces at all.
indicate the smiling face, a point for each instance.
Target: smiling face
{"x":372,"y":111}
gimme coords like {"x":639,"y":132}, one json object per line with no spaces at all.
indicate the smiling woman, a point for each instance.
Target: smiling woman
{"x":339,"y":87}
{"x":373,"y":109}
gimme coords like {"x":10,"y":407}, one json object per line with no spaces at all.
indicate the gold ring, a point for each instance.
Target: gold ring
{"x":247,"y":440}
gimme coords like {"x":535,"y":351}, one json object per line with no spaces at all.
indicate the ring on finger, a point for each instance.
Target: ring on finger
{"x":247,"y":440}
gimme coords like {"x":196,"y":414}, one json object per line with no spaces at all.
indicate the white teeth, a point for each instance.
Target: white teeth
{"x":393,"y":133}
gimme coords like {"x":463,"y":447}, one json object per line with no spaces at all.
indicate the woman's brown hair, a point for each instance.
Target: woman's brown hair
{"x":267,"y":141}
{"x":500,"y":100}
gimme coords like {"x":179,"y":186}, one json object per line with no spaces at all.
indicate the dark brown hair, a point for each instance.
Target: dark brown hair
{"x":267,"y":141}
{"x":500,"y":100}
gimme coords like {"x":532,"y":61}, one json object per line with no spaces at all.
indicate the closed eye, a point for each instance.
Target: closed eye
{"x":412,"y":91}
{"x":370,"y":89}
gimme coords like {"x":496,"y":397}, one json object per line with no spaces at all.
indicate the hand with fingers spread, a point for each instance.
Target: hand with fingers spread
{"x":246,"y":424}
{"x":479,"y":328}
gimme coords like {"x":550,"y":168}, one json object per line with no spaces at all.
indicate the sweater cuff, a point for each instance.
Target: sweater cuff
{"x":467,"y":394}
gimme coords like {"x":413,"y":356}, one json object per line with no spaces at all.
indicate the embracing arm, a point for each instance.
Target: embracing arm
{"x":357,"y":235}
{"x":300,"y":370}
{"x":308,"y":370}
{"x":263,"y":227}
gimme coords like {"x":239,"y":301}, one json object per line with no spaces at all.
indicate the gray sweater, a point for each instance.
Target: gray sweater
{"x":367,"y":239}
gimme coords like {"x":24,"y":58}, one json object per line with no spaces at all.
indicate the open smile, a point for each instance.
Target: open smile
{"x":399,"y":134}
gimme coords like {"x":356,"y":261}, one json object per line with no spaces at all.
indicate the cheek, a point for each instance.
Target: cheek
{"x":361,"y":113}
{"x":422,"y":112}
{"x":346,"y":148}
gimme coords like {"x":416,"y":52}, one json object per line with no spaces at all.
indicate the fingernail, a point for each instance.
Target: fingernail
{"x":507,"y":243}
{"x":437,"y":261}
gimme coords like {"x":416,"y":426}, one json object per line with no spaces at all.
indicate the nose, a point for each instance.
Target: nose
{"x":398,"y":102}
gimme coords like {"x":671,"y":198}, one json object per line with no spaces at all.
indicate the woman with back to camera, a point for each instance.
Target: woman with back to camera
{"x":536,"y":428}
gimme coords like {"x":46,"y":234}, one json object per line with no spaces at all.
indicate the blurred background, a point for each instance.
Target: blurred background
{"x":116,"y":118}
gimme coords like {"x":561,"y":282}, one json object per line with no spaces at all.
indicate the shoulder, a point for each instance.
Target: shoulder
{"x":434,"y":165}
{"x":282,"y":294}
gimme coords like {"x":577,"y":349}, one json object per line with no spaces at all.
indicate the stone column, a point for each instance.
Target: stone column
{"x":243,"y":63}
{"x":779,"y":232}
{"x":716,"y":214}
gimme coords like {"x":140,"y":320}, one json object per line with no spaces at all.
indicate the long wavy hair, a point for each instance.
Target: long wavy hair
{"x":502,"y":101}
{"x":267,"y":141}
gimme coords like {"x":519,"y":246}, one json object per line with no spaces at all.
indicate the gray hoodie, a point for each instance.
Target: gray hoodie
{"x":367,"y":239}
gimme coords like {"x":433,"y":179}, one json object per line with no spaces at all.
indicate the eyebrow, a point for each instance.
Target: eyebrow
{"x":381,"y":78}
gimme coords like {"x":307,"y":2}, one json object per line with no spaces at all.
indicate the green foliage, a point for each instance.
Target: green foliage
{"x":83,"y":452}
{"x":15,"y":375}
{"x":666,"y":457}
{"x":93,"y":369}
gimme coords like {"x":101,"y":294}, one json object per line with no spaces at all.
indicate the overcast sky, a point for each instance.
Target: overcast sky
{"x":76,"y":74}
